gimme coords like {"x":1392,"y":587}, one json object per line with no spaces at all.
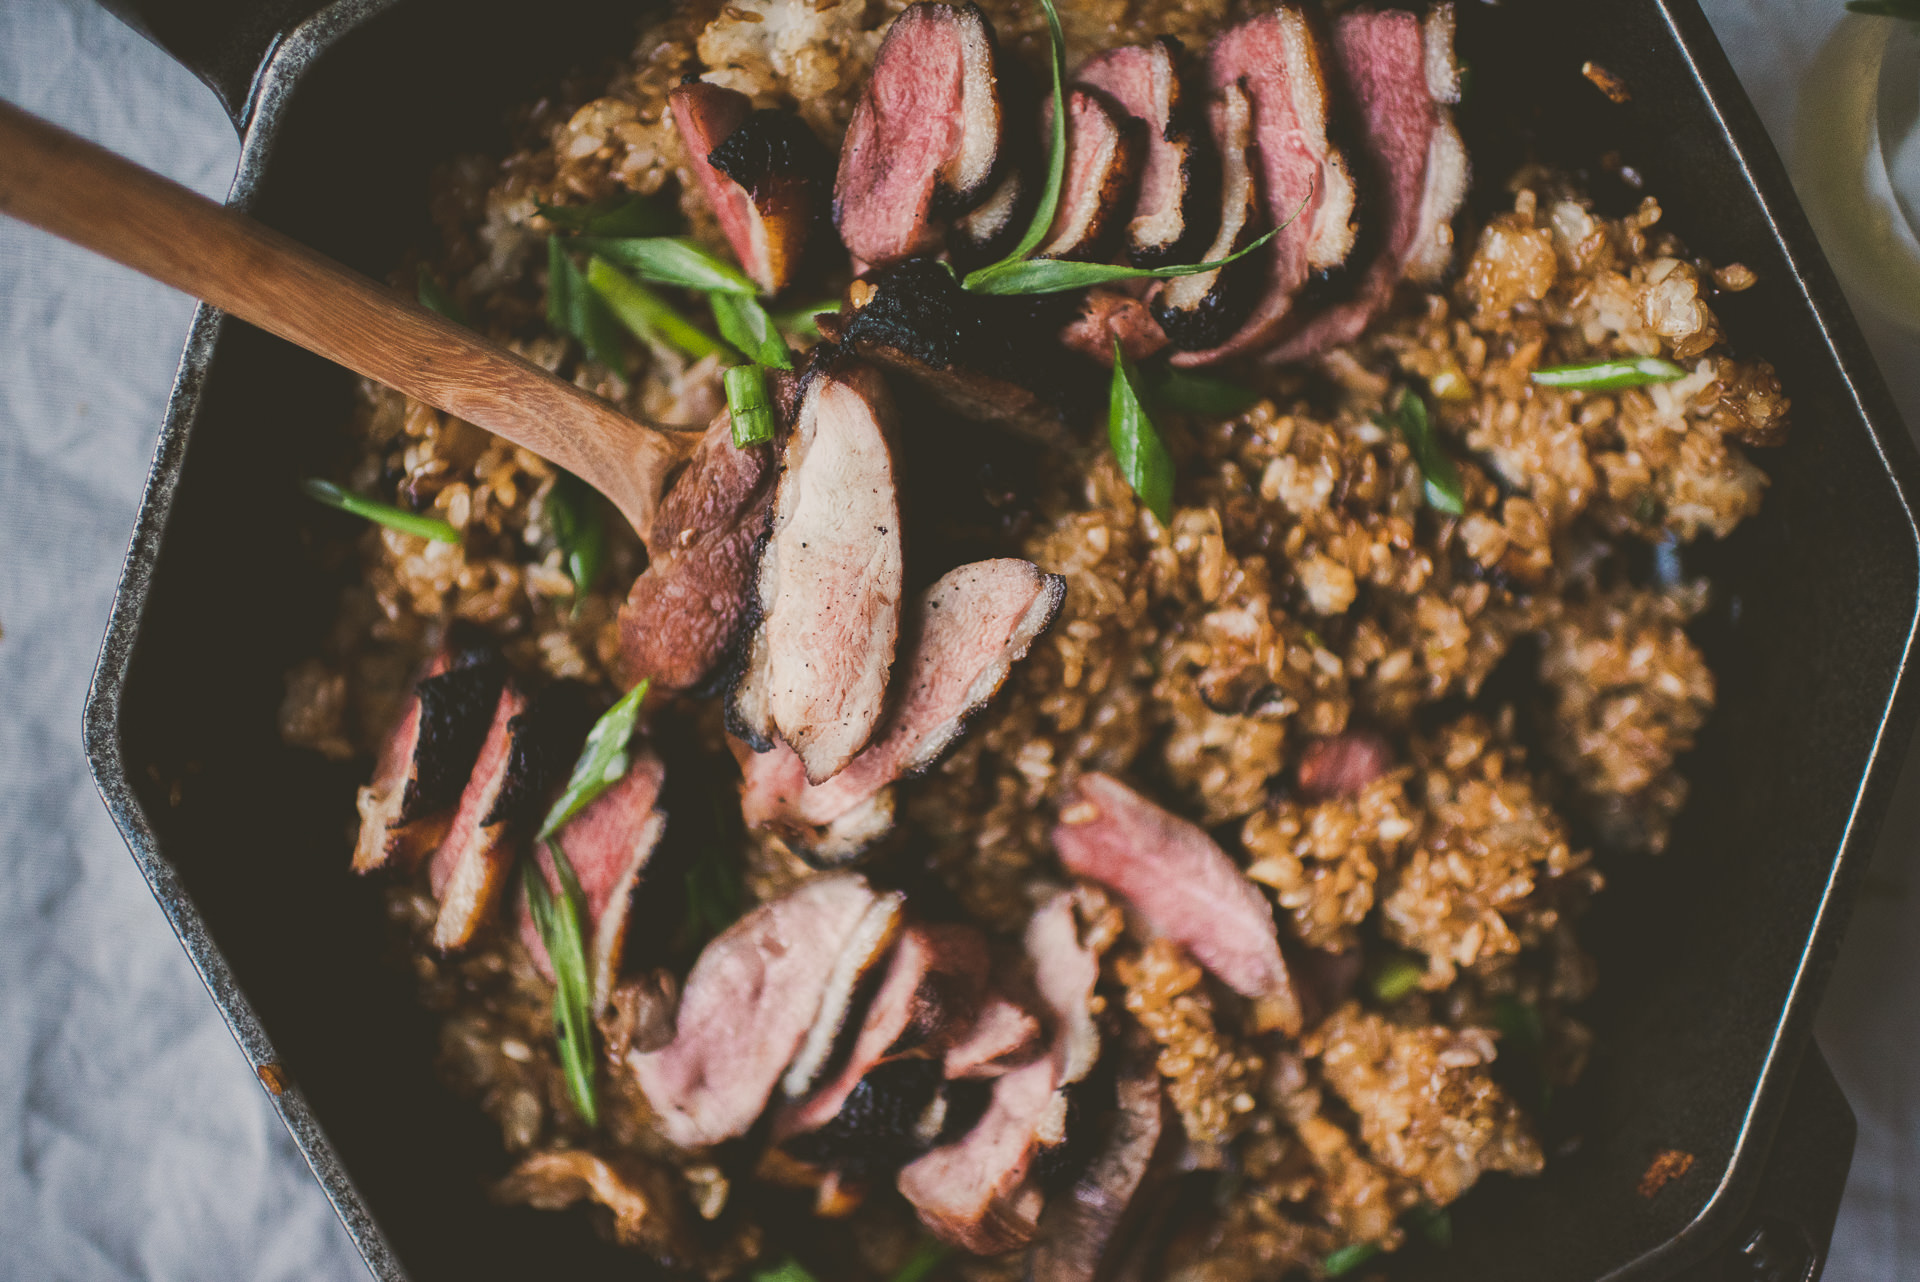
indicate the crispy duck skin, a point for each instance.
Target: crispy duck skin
{"x":985,"y":358}
{"x":1400,"y":73}
{"x":608,"y":844}
{"x":924,"y":139}
{"x":830,"y":579}
{"x":747,"y":1007}
{"x":470,"y":869}
{"x":685,"y":613}
{"x":405,"y":810}
{"x":1104,"y":151}
{"x":788,"y":176}
{"x":1204,"y":310}
{"x":1172,"y":218}
{"x":1183,"y":886}
{"x":1303,"y":178}
{"x":966,"y":633}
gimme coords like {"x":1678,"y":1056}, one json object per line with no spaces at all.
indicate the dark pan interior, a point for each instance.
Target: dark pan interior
{"x":1699,"y":950}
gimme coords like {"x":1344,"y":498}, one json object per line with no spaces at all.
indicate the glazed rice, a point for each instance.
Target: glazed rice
{"x":1301,"y":588}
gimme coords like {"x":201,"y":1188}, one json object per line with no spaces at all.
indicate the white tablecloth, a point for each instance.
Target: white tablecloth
{"x":134,"y":1142}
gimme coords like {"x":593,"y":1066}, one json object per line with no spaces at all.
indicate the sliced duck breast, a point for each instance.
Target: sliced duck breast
{"x":1277,"y":60}
{"x":764,"y":173}
{"x":966,"y":633}
{"x":685,"y":613}
{"x":1005,"y":1035}
{"x":979,"y":1192}
{"x":1085,"y":1223}
{"x":985,"y":358}
{"x":924,"y":138}
{"x":1171,"y":217}
{"x":1104,"y":150}
{"x":1182,"y":885}
{"x":927,"y":999}
{"x":405,"y":810}
{"x":1204,"y":310}
{"x":1110,"y":314}
{"x":866,"y":950}
{"x":470,"y":868}
{"x":746,"y":1008}
{"x":830,"y":578}
{"x":608,"y":844}
{"x":1400,"y":73}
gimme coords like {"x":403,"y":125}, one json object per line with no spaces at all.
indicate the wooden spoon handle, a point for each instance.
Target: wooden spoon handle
{"x":68,"y":186}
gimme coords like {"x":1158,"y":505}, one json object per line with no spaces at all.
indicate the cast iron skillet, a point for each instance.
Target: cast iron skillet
{"x":1712,"y":957}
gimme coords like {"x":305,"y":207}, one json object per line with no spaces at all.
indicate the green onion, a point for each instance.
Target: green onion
{"x":1137,"y":447}
{"x":1056,"y":157}
{"x":1610,"y":376}
{"x":645,"y":313}
{"x":421,"y":527}
{"x":1519,"y":1023}
{"x":559,"y":922}
{"x":745,"y":323}
{"x":432,"y":296}
{"x":926,"y":1257}
{"x":714,"y":893}
{"x":603,"y":761}
{"x":1057,"y":276}
{"x":1396,"y":977}
{"x":1441,"y":478}
{"x":1349,"y":1258}
{"x":1186,"y":393}
{"x":577,"y":519}
{"x":636,"y":216}
{"x":748,"y":405}
{"x":671,"y":260}
{"x":804,"y":322}
{"x":1432,"y":1223}
{"x":788,"y":1270}
{"x":579,"y":312}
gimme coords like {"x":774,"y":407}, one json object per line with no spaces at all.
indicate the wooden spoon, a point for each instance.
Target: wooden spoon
{"x":85,"y":194}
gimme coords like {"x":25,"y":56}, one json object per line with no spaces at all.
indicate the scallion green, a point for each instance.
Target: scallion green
{"x":1441,"y":479}
{"x":435,"y":298}
{"x":578,"y":311}
{"x":422,"y":527}
{"x":1396,"y":977}
{"x":636,"y":216}
{"x":602,"y":763}
{"x":1056,"y":156}
{"x":748,"y":405}
{"x":1610,"y":376}
{"x":1032,"y":276}
{"x":577,"y":519}
{"x":670,"y":260}
{"x":1348,"y":1258}
{"x":559,"y":920}
{"x":1137,"y":447}
{"x":646,"y":314}
{"x":926,"y":1257}
{"x":745,"y":323}
{"x":1185,"y":393}
{"x":788,"y":1270}
{"x":804,"y":322}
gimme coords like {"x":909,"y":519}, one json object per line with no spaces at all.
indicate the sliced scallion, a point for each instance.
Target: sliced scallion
{"x":1137,"y":447}
{"x":1441,"y":479}
{"x":603,"y":761}
{"x":1432,"y":1223}
{"x":559,"y":921}
{"x":671,"y":260}
{"x":926,"y":1257}
{"x":576,"y":310}
{"x":788,"y":1270}
{"x":745,"y":323}
{"x":646,"y":314}
{"x":804,"y":322}
{"x":1185,"y":393}
{"x":1396,"y":977}
{"x":1348,"y":1258}
{"x":435,"y":298}
{"x":578,"y":521}
{"x":421,"y":527}
{"x":635,"y":216}
{"x":748,"y":405}
{"x":1610,"y":376}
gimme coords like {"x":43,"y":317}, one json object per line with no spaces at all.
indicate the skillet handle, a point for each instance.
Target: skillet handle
{"x":224,"y":42}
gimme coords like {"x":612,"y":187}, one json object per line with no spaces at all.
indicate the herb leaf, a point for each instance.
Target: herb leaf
{"x":603,"y":760}
{"x":1137,"y":447}
{"x":558,"y":920}
{"x":1056,"y":151}
{"x":577,"y":311}
{"x":421,"y":527}
{"x":748,"y":405}
{"x":1058,"y":276}
{"x":1348,"y":1258}
{"x":578,"y":521}
{"x":1609,"y":376}
{"x":804,"y":322}
{"x":1185,"y":393}
{"x":1432,"y":1223}
{"x":745,"y":323}
{"x":671,"y":260}
{"x":434,"y":296}
{"x":1442,"y":479}
{"x":636,"y":216}
{"x":788,"y":1270}
{"x":1396,"y":977}
{"x":646,"y":314}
